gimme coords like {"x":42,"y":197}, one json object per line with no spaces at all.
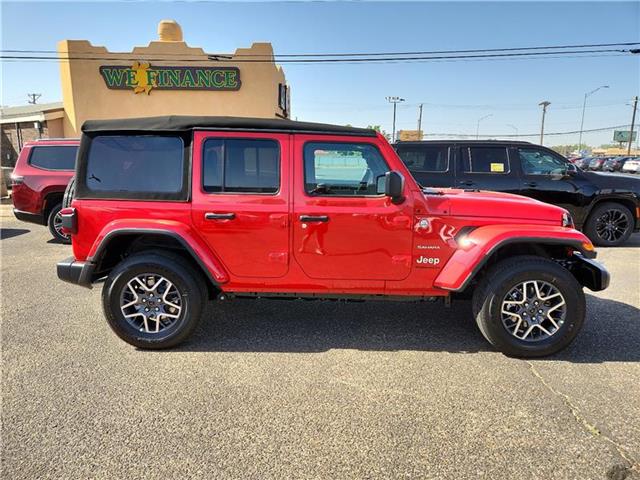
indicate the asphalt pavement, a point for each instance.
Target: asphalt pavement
{"x":297,"y":389}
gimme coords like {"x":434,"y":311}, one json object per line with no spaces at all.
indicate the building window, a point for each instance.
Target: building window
{"x":241,"y":166}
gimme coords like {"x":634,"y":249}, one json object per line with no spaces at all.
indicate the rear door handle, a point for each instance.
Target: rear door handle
{"x":531,"y":184}
{"x":314,"y":218}
{"x":219,"y":216}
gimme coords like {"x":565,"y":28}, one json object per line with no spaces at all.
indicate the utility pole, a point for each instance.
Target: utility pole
{"x":633,"y":124}
{"x":478,"y":125}
{"x":33,"y":97}
{"x":395,"y":101}
{"x":544,"y":106}
{"x":420,"y":120}
{"x":584,"y":106}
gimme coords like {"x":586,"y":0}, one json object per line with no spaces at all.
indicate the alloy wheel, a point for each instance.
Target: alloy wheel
{"x":150,"y":303}
{"x":612,"y":225}
{"x":57,"y":226}
{"x":533,"y":310}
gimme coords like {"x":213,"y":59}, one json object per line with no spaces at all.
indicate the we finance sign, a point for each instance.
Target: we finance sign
{"x":141,"y":77}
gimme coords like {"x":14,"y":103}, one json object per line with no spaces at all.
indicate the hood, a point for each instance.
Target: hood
{"x":613,"y":182}
{"x":465,"y":203}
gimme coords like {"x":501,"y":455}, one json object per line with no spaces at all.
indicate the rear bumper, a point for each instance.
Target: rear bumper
{"x":590,"y":273}
{"x":72,"y":271}
{"x":29,"y":217}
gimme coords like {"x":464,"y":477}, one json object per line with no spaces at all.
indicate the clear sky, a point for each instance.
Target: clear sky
{"x":455,"y":94}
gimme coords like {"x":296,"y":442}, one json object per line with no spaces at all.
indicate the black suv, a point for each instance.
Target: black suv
{"x":605,"y":207}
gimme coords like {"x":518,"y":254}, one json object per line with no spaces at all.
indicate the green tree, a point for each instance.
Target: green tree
{"x":379,"y":129}
{"x":568,"y":149}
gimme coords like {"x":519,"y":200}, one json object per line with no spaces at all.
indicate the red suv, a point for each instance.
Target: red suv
{"x":172,"y":211}
{"x":39,"y":179}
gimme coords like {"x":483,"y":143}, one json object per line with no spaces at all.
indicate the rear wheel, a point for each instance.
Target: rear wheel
{"x":54,"y":222}
{"x":69,"y":192}
{"x":153,"y":301}
{"x":529,"y":306}
{"x":609,"y":225}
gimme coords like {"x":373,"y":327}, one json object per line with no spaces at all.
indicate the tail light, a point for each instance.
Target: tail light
{"x":16,"y":179}
{"x":69,"y":221}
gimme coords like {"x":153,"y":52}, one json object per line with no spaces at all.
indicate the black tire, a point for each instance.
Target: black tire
{"x":53,"y":222}
{"x":599,"y":215}
{"x":500,"y":279}
{"x":69,"y":193}
{"x":189,"y":289}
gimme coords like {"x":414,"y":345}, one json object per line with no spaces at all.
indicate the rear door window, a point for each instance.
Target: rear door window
{"x":144,"y":164}
{"x":493,"y":160}
{"x":62,"y":157}
{"x":241,"y":166}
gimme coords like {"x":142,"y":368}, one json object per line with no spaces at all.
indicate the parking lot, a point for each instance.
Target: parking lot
{"x":294,"y":389}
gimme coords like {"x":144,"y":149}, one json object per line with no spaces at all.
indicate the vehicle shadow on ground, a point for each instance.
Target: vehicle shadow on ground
{"x":12,"y":232}
{"x":633,"y":241}
{"x":611,"y":332}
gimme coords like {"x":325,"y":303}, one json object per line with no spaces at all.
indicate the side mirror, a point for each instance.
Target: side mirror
{"x":571,"y":169}
{"x":394,"y":186}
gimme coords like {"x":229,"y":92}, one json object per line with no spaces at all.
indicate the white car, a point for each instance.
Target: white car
{"x":631,"y":166}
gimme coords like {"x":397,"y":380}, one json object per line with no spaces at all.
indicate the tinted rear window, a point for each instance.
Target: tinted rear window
{"x":54,"y":158}
{"x":425,"y":159}
{"x":138,"y":164}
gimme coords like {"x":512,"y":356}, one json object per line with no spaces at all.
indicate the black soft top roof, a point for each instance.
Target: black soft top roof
{"x":181,"y":123}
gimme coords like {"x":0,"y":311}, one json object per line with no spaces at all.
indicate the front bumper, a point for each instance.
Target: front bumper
{"x":590,"y":273}
{"x":73,"y":271}
{"x":29,"y":217}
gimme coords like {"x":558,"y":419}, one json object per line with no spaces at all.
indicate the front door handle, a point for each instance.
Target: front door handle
{"x":314,"y":218}
{"x":219,"y":216}
{"x":466,"y":182}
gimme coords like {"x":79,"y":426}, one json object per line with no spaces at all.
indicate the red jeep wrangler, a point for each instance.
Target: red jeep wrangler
{"x":176,"y":210}
{"x":38,"y":182}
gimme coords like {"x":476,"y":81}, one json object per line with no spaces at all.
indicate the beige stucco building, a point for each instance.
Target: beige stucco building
{"x":168,"y":77}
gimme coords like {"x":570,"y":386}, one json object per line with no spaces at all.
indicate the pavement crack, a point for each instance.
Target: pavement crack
{"x":586,"y":424}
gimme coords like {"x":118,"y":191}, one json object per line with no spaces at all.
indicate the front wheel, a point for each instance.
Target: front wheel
{"x":529,"y":306}
{"x":153,"y":301}
{"x":609,"y":225}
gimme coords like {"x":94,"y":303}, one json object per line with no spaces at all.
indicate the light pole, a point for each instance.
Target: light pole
{"x":633,"y":124}
{"x":514,"y":128}
{"x":584,"y":106}
{"x":544,"y":106}
{"x":478,"y":124}
{"x":395,"y":101}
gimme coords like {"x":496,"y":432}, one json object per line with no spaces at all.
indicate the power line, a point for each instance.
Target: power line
{"x":374,"y":54}
{"x":537,"y":134}
{"x":551,"y":55}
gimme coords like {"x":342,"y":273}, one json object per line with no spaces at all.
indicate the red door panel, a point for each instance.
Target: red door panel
{"x":350,"y":238}
{"x":248,"y":231}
